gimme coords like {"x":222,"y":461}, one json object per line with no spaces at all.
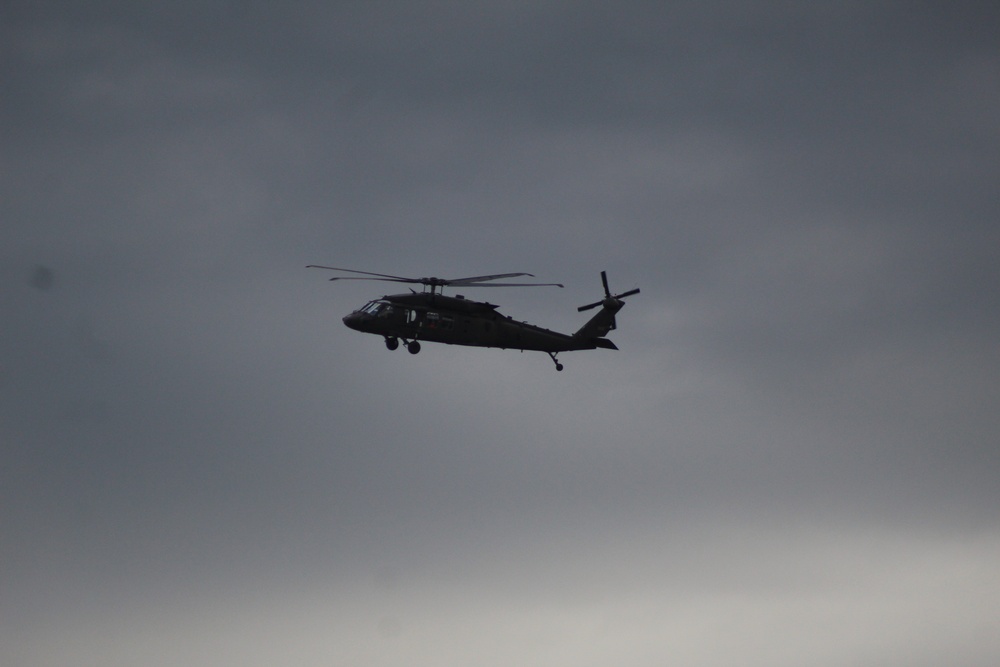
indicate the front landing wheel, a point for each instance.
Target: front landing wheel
{"x":413,"y":347}
{"x":392,"y":342}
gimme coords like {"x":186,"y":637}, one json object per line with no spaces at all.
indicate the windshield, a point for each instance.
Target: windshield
{"x":375,"y":307}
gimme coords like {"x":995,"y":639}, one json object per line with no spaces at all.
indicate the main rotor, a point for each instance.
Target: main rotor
{"x":435,"y":283}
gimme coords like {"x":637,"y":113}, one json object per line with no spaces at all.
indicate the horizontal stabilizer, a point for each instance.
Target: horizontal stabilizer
{"x":605,"y":343}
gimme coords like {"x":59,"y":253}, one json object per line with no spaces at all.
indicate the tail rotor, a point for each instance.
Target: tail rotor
{"x":611,"y":302}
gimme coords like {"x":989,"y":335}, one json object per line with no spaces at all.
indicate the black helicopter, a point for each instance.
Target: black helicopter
{"x":455,"y":320}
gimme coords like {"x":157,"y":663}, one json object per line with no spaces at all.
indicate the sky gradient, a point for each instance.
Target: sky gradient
{"x":793,"y":459}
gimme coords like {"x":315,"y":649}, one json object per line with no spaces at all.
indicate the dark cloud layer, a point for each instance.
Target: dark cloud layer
{"x":793,"y":458}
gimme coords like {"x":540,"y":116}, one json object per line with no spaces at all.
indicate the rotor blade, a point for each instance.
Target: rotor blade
{"x":601,"y":302}
{"x":604,"y":281}
{"x":479,"y":279}
{"x":366,"y":273}
{"x":473,"y":281}
{"x":507,"y":285}
{"x":381,"y":280}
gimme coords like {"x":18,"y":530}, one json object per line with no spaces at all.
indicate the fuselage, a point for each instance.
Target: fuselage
{"x":458,"y":321}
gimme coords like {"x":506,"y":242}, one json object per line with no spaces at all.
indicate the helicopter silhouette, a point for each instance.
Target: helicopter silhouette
{"x":454,"y":320}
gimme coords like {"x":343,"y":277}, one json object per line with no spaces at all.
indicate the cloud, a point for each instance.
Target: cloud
{"x":792,"y":446}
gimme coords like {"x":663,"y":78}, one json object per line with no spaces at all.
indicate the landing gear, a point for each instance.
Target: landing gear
{"x":559,"y":366}
{"x":392,"y":343}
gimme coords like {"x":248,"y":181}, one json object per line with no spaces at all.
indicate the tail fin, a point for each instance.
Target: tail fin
{"x":600,"y":324}
{"x":604,"y":321}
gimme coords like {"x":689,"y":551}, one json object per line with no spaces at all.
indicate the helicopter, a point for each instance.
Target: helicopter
{"x":455,"y":320}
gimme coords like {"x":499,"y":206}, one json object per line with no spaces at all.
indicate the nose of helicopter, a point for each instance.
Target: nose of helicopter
{"x":353,"y":321}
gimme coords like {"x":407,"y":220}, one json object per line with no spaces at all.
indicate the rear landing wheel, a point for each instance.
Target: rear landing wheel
{"x":413,"y":347}
{"x":552,"y":355}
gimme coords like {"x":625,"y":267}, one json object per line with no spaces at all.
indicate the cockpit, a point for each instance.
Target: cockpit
{"x":374,"y":307}
{"x":369,"y":315}
{"x":379,"y":308}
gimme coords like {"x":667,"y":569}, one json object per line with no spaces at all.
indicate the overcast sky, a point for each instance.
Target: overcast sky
{"x":793,"y":459}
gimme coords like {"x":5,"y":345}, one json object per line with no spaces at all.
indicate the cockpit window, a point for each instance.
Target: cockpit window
{"x":376,"y":308}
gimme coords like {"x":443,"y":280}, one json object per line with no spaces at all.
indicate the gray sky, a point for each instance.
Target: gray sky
{"x":792,"y":460}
